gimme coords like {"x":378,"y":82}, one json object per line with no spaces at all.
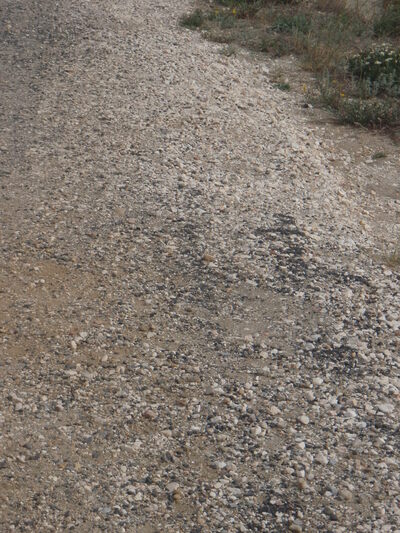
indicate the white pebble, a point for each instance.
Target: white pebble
{"x":322,"y":458}
{"x":303,"y":419}
{"x":274,"y":410}
{"x":386,"y":407}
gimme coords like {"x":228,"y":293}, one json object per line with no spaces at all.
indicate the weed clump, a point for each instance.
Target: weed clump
{"x":380,"y":66}
{"x":292,"y":23}
{"x":389,"y":22}
{"x":369,"y":113}
{"x":283,"y":86}
{"x":193,"y":20}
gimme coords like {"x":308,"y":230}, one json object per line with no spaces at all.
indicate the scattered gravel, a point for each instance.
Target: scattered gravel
{"x":198,"y":334}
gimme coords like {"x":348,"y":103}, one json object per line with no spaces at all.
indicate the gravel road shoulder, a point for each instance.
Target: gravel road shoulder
{"x":198,"y":332}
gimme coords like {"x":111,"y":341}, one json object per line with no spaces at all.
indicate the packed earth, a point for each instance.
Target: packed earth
{"x":199,"y":329}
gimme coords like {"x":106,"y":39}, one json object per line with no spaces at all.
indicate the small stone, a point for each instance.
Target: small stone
{"x":274,"y":410}
{"x":317,"y":381}
{"x":296,"y":527}
{"x":386,"y":408}
{"x":220,"y":465}
{"x":149,"y":414}
{"x":280,"y":422}
{"x":345,"y":494}
{"x":208,"y":258}
{"x":173,"y":486}
{"x":331,"y":514}
{"x":310,"y":395}
{"x":256,"y":430}
{"x":73,"y":345}
{"x":302,"y":484}
{"x":177,"y":496}
{"x":322,"y":458}
{"x":303,"y":419}
{"x":137,"y":444}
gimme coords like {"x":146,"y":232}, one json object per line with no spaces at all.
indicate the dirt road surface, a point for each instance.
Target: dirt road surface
{"x":199,"y":332}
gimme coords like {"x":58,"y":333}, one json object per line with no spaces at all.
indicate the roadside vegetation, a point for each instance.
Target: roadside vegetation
{"x":355,"y":61}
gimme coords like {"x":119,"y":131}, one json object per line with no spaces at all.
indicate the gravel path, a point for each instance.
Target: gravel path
{"x":197,"y":333}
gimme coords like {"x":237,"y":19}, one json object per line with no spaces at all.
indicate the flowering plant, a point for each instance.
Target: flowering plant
{"x":379,"y":66}
{"x":372,"y":112}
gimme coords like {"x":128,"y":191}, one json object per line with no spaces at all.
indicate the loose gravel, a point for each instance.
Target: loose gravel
{"x":198,"y":333}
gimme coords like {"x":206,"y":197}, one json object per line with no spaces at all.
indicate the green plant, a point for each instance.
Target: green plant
{"x":389,"y":22}
{"x":320,"y":56}
{"x":275,"y":46}
{"x":193,"y":20}
{"x":380,"y":66}
{"x":331,"y":6}
{"x":378,"y":155}
{"x":283,"y":86}
{"x":292,"y":23}
{"x":328,"y":94}
{"x":228,"y":51}
{"x":369,"y":113}
{"x":225,"y":21}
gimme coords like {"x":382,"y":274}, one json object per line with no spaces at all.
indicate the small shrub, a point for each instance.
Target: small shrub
{"x":321,"y":57}
{"x":226,"y":21}
{"x":329,"y":95}
{"x":331,"y":6}
{"x":247,"y":11}
{"x":369,"y":113}
{"x":228,"y":51}
{"x":389,"y":22}
{"x":283,"y":86}
{"x":324,"y":46}
{"x":274,"y":45}
{"x":292,"y":24}
{"x":378,"y":155}
{"x":380,"y":66}
{"x":194,"y":20}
